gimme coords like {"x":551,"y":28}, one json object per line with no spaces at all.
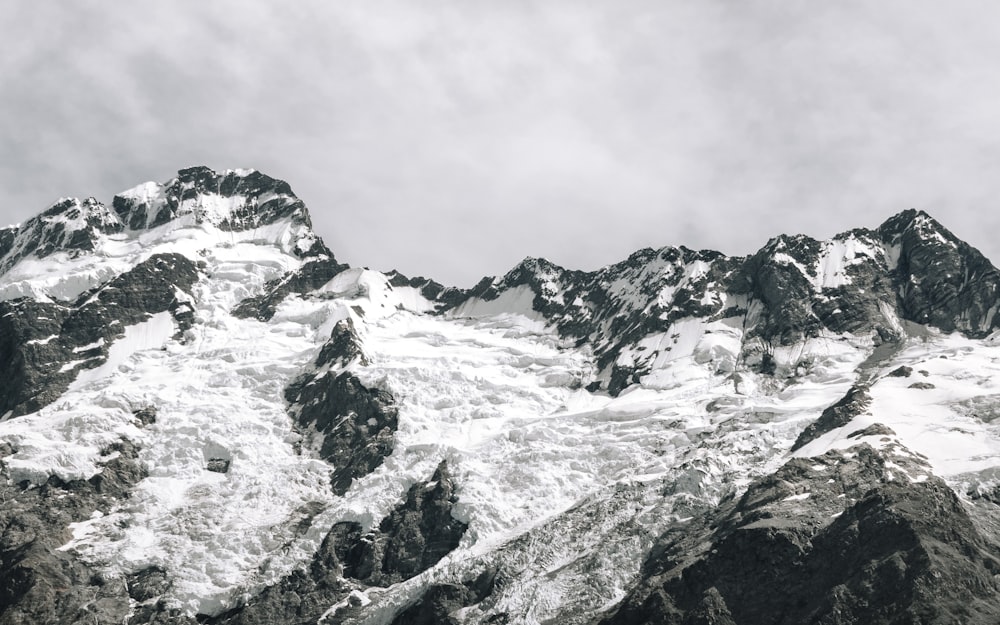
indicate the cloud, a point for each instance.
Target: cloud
{"x":453,"y":138}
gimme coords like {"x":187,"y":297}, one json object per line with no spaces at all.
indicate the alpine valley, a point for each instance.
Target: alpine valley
{"x":206,"y":418}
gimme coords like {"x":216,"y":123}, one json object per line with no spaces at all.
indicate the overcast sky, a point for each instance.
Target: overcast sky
{"x":452,"y":139}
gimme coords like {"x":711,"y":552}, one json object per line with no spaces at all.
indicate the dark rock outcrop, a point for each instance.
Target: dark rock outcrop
{"x":38,"y":582}
{"x":352,"y":425}
{"x":303,"y":596}
{"x":218,"y":465}
{"x":145,"y":415}
{"x":875,"y":429}
{"x":68,"y":225}
{"x":437,"y":605}
{"x":150,"y":287}
{"x":942,"y":281}
{"x":855,"y":402}
{"x":829,"y":540}
{"x":444,"y":297}
{"x":311,"y":276}
{"x":616,"y":306}
{"x":343,"y":347}
{"x":44,"y":346}
{"x":901,"y":372}
{"x":413,"y":538}
{"x":784,"y":280}
{"x":30,"y":354}
{"x":256,"y":199}
{"x":149,"y":583}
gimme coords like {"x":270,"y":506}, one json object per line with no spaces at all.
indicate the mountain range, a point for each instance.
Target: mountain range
{"x":206,"y":418}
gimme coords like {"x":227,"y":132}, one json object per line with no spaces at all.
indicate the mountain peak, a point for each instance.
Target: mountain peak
{"x":912,"y":219}
{"x":68,"y":224}
{"x":199,"y":209}
{"x":237,"y":199}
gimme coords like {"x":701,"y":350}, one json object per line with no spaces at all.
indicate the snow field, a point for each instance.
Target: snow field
{"x":947,"y":417}
{"x":557,"y":483}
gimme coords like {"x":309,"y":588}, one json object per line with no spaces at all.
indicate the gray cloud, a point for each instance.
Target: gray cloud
{"x":453,"y":138}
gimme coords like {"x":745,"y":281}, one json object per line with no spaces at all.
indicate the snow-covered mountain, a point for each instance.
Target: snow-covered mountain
{"x":208,"y":419}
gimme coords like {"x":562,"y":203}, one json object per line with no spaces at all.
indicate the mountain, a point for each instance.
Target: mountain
{"x":206,"y":418}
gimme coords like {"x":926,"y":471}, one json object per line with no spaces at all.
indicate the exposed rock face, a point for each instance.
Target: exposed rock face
{"x":255,"y":200}
{"x":942,"y":281}
{"x":438,"y":604}
{"x":68,"y":225}
{"x":231,"y":201}
{"x":616,"y":306}
{"x":27,"y":346}
{"x":151,"y":287}
{"x":444,"y":297}
{"x":875,"y":429}
{"x":311,"y":276}
{"x":44,"y":346}
{"x":413,"y":538}
{"x":303,"y":596}
{"x":145,"y":415}
{"x":794,"y":295}
{"x":218,"y":465}
{"x":38,"y":582}
{"x":838,"y":415}
{"x":831,"y":540}
{"x":350,"y":424}
{"x":901,"y":372}
{"x":343,"y":347}
{"x":863,"y":282}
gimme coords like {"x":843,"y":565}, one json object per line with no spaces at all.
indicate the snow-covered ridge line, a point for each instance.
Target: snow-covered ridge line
{"x":861,"y":284}
{"x":75,"y":246}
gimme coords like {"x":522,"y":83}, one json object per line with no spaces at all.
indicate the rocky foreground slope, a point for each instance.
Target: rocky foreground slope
{"x":208,"y":419}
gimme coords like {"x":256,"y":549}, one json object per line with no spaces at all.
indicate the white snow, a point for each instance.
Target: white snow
{"x":44,"y":341}
{"x":516,"y":301}
{"x":839,"y":254}
{"x":799,"y":497}
{"x":149,"y":334}
{"x":835,"y":257}
{"x":926,"y":421}
{"x":84,"y":348}
{"x":64,"y":276}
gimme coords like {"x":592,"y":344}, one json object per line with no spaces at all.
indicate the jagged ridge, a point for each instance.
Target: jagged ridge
{"x":862,"y":282}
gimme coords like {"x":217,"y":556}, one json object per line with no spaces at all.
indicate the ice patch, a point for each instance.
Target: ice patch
{"x":516,"y":301}
{"x":799,"y":497}
{"x":928,"y":421}
{"x":149,"y":334}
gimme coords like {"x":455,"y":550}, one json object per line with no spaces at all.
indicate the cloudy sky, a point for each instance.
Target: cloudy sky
{"x":452,"y":139}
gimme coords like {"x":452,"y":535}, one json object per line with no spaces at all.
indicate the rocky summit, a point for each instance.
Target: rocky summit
{"x":206,"y":418}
